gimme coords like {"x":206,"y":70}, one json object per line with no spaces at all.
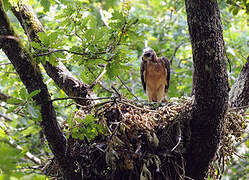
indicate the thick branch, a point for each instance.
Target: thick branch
{"x":32,"y":79}
{"x":210,"y":85}
{"x":239,"y":93}
{"x":60,"y":74}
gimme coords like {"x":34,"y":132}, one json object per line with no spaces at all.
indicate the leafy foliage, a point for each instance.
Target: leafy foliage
{"x":85,"y":127}
{"x":90,"y":35}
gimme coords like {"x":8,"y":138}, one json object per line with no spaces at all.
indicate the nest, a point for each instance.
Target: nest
{"x":234,"y":127}
{"x":139,"y":141}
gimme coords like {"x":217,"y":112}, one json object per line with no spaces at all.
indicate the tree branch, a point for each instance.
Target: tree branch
{"x":103,"y":17}
{"x":239,"y":93}
{"x":88,"y":99}
{"x":31,"y":76}
{"x":4,"y":64}
{"x":6,"y":118}
{"x":175,"y":51}
{"x":65,"y":50}
{"x":27,"y":155}
{"x":60,"y":74}
{"x":129,"y":90}
{"x":59,"y":50}
{"x":98,"y":78}
{"x":12,"y":143}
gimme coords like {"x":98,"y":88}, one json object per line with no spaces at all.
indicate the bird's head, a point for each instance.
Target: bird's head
{"x":149,"y":55}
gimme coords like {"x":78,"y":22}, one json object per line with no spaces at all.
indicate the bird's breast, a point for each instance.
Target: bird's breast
{"x":155,"y":71}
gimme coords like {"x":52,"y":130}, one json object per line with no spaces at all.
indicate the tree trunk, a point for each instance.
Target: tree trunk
{"x":239,"y":93}
{"x":201,"y":123}
{"x":31,"y":76}
{"x":210,"y":85}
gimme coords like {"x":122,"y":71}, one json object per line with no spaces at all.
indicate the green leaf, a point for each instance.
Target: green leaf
{"x":9,"y":157}
{"x":23,"y":93}
{"x":53,"y":37}
{"x":31,"y":2}
{"x":33,"y":177}
{"x":35,"y":45}
{"x":6,"y":5}
{"x":92,"y":23}
{"x":53,"y":59}
{"x":14,"y":101}
{"x":11,"y":109}
{"x":113,"y":69}
{"x":46,"y":5}
{"x":117,"y":15}
{"x":30,"y":130}
{"x":247,"y":8}
{"x":32,"y":94}
{"x":235,"y":11}
{"x":44,"y":38}
{"x":2,"y":134}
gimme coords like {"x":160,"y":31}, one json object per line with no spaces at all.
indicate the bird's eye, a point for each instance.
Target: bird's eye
{"x":147,"y":54}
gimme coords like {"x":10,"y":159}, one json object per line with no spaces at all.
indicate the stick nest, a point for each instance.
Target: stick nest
{"x":144,"y":141}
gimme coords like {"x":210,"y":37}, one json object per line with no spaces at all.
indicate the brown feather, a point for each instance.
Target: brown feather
{"x":155,"y":76}
{"x":167,"y":66}
{"x":142,"y":69}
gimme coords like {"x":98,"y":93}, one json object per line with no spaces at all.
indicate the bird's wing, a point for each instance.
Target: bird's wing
{"x":142,"y":73}
{"x":167,"y":67}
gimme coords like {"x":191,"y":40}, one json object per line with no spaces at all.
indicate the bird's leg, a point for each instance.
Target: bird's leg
{"x":149,"y":96}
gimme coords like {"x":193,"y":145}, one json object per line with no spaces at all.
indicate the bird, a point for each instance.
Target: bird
{"x":155,"y":75}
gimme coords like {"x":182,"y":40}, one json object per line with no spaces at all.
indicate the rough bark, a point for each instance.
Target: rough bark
{"x":239,"y":93}
{"x":31,"y":76}
{"x":64,"y":79}
{"x":211,"y":85}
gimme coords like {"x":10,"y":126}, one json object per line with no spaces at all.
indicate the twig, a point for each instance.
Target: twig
{"x":83,"y":107}
{"x":28,"y":155}
{"x":142,"y":109}
{"x":98,"y":78}
{"x":19,"y":113}
{"x":9,"y":72}
{"x":179,"y":138}
{"x":235,"y":4}
{"x":80,"y":98}
{"x":239,"y":108}
{"x":9,"y":37}
{"x":5,"y":117}
{"x":60,"y":50}
{"x":176,"y":49}
{"x":116,"y":91}
{"x":105,"y":88}
{"x":189,"y":178}
{"x":228,"y":60}
{"x":103,"y":18}
{"x":65,"y":50}
{"x":3,"y":97}
{"x":242,"y":141}
{"x":127,"y":88}
{"x":5,"y":64}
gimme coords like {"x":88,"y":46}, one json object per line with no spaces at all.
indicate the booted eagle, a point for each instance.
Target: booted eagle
{"x":155,"y":75}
